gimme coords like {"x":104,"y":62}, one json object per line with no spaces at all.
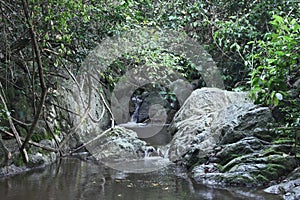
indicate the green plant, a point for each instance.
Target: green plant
{"x":278,"y":57}
{"x":3,"y":118}
{"x":275,"y":68}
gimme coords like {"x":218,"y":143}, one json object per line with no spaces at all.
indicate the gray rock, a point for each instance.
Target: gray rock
{"x":40,"y":160}
{"x":212,"y":116}
{"x":81,"y":111}
{"x":283,"y":188}
{"x":289,"y":188}
{"x":12,"y":170}
{"x":294,"y":194}
{"x":182,"y":89}
{"x":119,"y":143}
{"x":245,"y":120}
{"x":225,"y":139}
{"x":247,"y":170}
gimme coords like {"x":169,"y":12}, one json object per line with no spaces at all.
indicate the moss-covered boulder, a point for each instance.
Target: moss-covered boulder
{"x":245,"y":167}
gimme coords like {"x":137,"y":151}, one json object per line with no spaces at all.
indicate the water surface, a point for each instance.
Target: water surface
{"x":71,"y":179}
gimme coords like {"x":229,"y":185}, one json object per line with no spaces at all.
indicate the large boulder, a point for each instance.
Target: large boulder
{"x":225,"y":139}
{"x":117,"y":144}
{"x":204,"y":118}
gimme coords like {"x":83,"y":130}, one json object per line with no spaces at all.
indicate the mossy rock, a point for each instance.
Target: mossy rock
{"x":250,"y":170}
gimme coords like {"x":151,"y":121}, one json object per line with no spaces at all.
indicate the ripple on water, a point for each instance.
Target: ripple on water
{"x":145,"y":165}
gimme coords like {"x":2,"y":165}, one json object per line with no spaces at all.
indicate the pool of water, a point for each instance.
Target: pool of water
{"x":71,"y":179}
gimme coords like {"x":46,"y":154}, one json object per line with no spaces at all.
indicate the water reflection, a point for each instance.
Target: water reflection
{"x":76,"y":179}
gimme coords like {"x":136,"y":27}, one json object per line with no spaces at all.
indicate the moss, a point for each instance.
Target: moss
{"x":284,"y":141}
{"x":287,"y":161}
{"x":261,"y":178}
{"x":22,"y":132}
{"x":267,"y":152}
{"x":239,"y":180}
{"x":265,"y":135}
{"x":18,"y":161}
{"x":57,"y":131}
{"x":232,"y":163}
{"x":230,"y":157}
{"x":194,"y":163}
{"x":219,"y":167}
{"x":37,"y":137}
{"x":273,"y":171}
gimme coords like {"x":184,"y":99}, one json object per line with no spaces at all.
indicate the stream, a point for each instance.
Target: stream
{"x":72,"y":178}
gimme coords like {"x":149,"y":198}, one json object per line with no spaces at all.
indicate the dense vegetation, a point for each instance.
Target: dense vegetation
{"x":256,"y":46}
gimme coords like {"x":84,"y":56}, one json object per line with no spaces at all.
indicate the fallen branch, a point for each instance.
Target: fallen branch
{"x":90,"y":141}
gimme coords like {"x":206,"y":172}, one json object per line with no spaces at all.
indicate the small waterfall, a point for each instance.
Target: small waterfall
{"x":150,"y":151}
{"x":163,"y":152}
{"x":137,"y":103}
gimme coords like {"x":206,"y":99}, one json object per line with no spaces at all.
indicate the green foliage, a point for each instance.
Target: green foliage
{"x":277,"y":56}
{"x":254,"y":42}
{"x":275,"y":69}
{"x":3,"y":118}
{"x":155,"y":60}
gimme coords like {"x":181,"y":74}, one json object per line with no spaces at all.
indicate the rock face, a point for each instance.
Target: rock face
{"x":82,"y":113}
{"x":223,"y":138}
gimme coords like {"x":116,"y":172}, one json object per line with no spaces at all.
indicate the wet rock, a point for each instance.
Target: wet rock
{"x":245,"y":146}
{"x":247,"y":170}
{"x":40,"y":160}
{"x":37,"y":158}
{"x":12,"y":170}
{"x":249,"y":162}
{"x":246,"y":120}
{"x":289,"y":188}
{"x":82,"y":114}
{"x":120,"y":143}
{"x":148,"y":105}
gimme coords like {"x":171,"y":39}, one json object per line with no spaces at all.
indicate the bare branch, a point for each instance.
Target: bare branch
{"x":41,"y":76}
{"x":12,"y":126}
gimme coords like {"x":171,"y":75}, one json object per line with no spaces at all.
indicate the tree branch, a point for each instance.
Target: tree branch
{"x":41,"y":76}
{"x":11,"y":124}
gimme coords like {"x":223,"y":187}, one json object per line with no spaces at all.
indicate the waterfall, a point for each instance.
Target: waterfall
{"x":162,"y":152}
{"x":149,"y":150}
{"x":137,"y":103}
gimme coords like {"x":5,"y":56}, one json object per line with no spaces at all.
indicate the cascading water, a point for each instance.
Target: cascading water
{"x":149,"y":151}
{"x":137,"y":104}
{"x":161,"y":151}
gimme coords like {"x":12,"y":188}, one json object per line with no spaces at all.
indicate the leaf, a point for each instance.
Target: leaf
{"x":278,"y":18}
